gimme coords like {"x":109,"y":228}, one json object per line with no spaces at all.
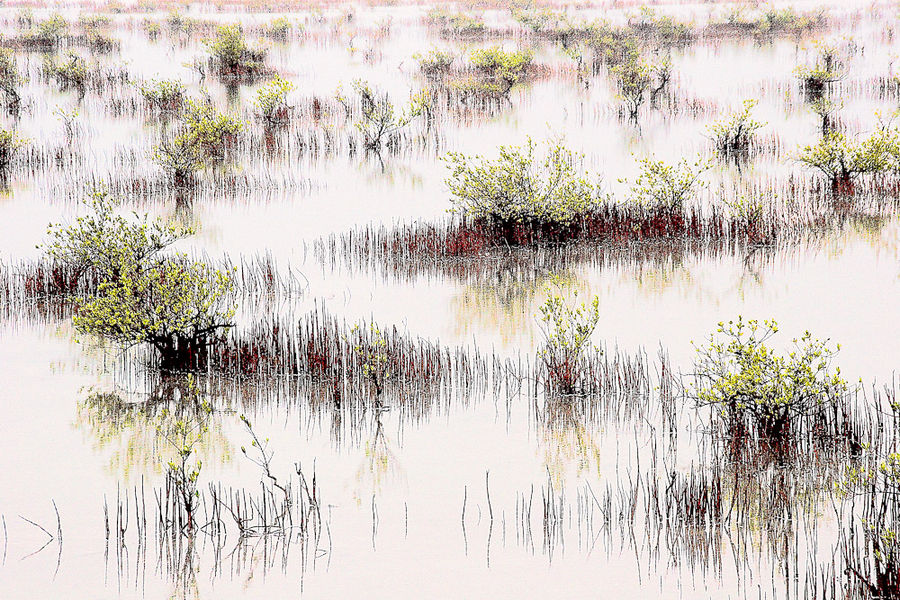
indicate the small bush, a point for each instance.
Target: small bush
{"x":205,"y":134}
{"x":49,"y":32}
{"x":660,"y":185}
{"x":758,"y":392}
{"x":518,"y":187}
{"x":231,"y":55}
{"x":10,"y":142}
{"x":378,"y":118}
{"x":842,"y":160}
{"x":567,"y":332}
{"x":165,"y":95}
{"x":499,"y":70}
{"x":458,"y":24}
{"x":68,"y":72}
{"x":827,"y":68}
{"x":434,"y":64}
{"x":9,"y":79}
{"x":279,"y":29}
{"x":734,"y":134}
{"x":175,"y":305}
{"x":271,"y":101}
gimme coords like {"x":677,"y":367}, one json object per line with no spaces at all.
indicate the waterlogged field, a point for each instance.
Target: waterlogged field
{"x":288,"y":336}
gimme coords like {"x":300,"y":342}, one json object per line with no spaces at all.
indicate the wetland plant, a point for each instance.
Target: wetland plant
{"x":9,"y":80}
{"x":734,"y":134}
{"x":827,"y":68}
{"x":456,"y":24}
{"x":760,"y":394}
{"x":69,"y":72}
{"x":205,"y":135}
{"x":378,"y":120}
{"x":164,"y":95}
{"x":435,"y":64}
{"x":230,"y":54}
{"x":668,"y":187}
{"x":567,"y":331}
{"x":172,"y":303}
{"x":637,"y":80}
{"x":498,"y":70}
{"x":519,"y":188}
{"x":271,"y":101}
{"x":842,"y":161}
{"x":48,"y":33}
{"x":10,"y":143}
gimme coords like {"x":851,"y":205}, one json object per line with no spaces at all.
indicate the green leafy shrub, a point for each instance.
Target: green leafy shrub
{"x":69,"y":72}
{"x":567,"y":331}
{"x":459,"y":24}
{"x":10,"y":142}
{"x":733,"y":134}
{"x":48,"y":32}
{"x":435,"y":63}
{"x":661,"y":185}
{"x":842,"y":160}
{"x":204,"y":134}
{"x":498,"y":70}
{"x":518,"y":187}
{"x":279,"y":29}
{"x":165,"y":95}
{"x":271,"y":101}
{"x":231,"y":55}
{"x":378,"y":118}
{"x":170,"y":302}
{"x":664,"y":29}
{"x":9,"y":79}
{"x":827,"y":68}
{"x":757,"y":391}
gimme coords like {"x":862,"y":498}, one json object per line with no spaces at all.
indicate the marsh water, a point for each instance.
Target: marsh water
{"x":483,"y":492}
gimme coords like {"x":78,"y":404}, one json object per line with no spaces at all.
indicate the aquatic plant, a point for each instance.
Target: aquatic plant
{"x":230,"y":54}
{"x":10,"y":143}
{"x":279,"y":29}
{"x":661,"y":185}
{"x":842,"y":160}
{"x":9,"y":79}
{"x":271,"y":101}
{"x":435,"y":63}
{"x":459,"y":24}
{"x":637,"y":80}
{"x":172,"y":303}
{"x":567,"y":330}
{"x":165,"y":95}
{"x":519,"y":187}
{"x":204,"y":134}
{"x":499,"y":70}
{"x":72,"y":71}
{"x":756,"y":391}
{"x":827,"y":68}
{"x":378,"y":118}
{"x":733,"y":134}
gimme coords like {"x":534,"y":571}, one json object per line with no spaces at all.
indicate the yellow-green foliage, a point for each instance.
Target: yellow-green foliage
{"x":567,"y":330}
{"x":70,"y":71}
{"x":660,"y":185}
{"x":174,"y":304}
{"x":734,"y":133}
{"x":518,"y":187}
{"x":10,"y":142}
{"x":379,"y":119}
{"x":231,"y":54}
{"x":166,"y":95}
{"x":498,"y":69}
{"x":843,"y":160}
{"x":205,"y":134}
{"x":756,"y":389}
{"x":271,"y":100}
